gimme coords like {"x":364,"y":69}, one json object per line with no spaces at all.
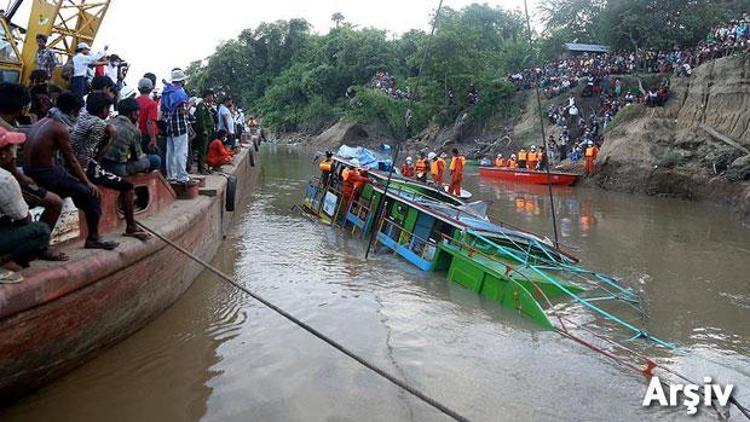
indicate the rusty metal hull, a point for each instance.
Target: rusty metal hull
{"x":62,"y":314}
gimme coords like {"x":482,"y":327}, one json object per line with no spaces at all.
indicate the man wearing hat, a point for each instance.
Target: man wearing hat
{"x":174,"y":103}
{"x":148,"y":117}
{"x":20,"y":238}
{"x":83,"y":60}
{"x":45,"y":58}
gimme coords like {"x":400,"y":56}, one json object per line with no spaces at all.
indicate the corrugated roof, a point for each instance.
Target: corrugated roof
{"x":587,"y":48}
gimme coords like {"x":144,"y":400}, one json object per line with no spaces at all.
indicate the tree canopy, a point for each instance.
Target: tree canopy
{"x":298,"y":79}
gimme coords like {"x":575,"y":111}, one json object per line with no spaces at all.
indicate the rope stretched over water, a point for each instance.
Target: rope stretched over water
{"x":331,"y":342}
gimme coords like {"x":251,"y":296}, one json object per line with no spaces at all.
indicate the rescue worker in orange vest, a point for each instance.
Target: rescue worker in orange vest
{"x":326,"y":169}
{"x":407,"y":170}
{"x":512,"y":163}
{"x":437,"y":168}
{"x":531,"y":158}
{"x":457,"y":173}
{"x":500,"y":161}
{"x":422,"y":167}
{"x":522,"y":157}
{"x":591,"y":152}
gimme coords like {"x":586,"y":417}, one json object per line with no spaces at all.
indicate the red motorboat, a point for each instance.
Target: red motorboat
{"x":529,"y":176}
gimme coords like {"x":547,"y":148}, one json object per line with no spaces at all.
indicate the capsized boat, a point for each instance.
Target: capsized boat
{"x":513,"y":267}
{"x":529,"y":176}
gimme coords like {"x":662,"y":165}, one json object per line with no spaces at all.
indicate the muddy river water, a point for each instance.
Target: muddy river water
{"x":218,"y":355}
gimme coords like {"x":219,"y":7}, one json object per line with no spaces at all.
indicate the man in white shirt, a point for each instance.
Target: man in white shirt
{"x":226,"y":120}
{"x":20,"y":238}
{"x":83,"y":60}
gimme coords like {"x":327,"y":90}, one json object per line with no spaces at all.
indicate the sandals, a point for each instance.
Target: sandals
{"x":138,"y":234}
{"x":9,"y":277}
{"x":106,"y":245}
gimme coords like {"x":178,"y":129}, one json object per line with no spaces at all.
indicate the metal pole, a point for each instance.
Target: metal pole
{"x":407,"y":121}
{"x":541,"y":121}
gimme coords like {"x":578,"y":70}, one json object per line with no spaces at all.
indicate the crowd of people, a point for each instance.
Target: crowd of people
{"x":386,"y":83}
{"x":559,"y":76}
{"x":57,"y":144}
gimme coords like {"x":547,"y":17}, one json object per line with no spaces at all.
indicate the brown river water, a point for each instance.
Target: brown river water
{"x":218,"y":355}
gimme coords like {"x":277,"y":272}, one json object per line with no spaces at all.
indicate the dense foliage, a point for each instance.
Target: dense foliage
{"x":298,"y":80}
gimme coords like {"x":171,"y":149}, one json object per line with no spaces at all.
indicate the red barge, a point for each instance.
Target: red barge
{"x":64,"y":313}
{"x":529,"y":176}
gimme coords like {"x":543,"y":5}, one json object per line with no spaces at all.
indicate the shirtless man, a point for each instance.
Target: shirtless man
{"x":13,"y":99}
{"x":44,"y":141}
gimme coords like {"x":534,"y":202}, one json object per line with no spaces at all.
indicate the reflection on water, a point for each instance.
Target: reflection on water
{"x":217,"y":355}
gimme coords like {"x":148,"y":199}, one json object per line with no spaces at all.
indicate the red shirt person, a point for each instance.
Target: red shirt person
{"x":149,"y":114}
{"x":219,"y":155}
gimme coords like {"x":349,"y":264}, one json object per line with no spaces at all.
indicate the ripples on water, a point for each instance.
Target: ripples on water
{"x":218,"y":355}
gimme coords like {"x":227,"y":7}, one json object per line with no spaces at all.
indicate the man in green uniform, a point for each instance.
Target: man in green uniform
{"x":204,"y":128}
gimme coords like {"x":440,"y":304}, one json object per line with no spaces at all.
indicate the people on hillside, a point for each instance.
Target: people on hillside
{"x":218,"y":154}
{"x":174,"y":108}
{"x":457,"y":172}
{"x":52,"y":137}
{"x":93,"y":138}
{"x":408,"y":169}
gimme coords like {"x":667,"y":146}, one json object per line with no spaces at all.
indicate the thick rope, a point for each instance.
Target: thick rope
{"x":331,"y":342}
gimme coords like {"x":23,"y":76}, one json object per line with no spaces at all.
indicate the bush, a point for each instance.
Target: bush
{"x":376,"y":108}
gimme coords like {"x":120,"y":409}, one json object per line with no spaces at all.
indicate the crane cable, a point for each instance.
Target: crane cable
{"x":331,"y":342}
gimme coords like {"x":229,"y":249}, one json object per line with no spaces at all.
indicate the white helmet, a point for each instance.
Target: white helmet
{"x":533,"y":147}
{"x":513,"y":156}
{"x":431,"y":156}
{"x":591,"y":143}
{"x":127,"y":92}
{"x":408,"y":160}
{"x":499,"y":155}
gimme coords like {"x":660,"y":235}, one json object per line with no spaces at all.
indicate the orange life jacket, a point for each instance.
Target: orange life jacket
{"x":499,"y":162}
{"x":326,"y":166}
{"x":592,"y":152}
{"x":407,"y":170}
{"x":522,"y":155}
{"x":512,"y":164}
{"x":345,"y":174}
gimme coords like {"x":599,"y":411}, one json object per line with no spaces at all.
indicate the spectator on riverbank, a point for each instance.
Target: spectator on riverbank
{"x":45,"y":58}
{"x":125,"y":157}
{"x":92,"y":137}
{"x":20,"y":238}
{"x":50,"y":138}
{"x":148,"y":117}
{"x":83,"y":60}
{"x":218,"y":155}
{"x":226,"y":120}
{"x":13,"y":99}
{"x":174,"y":109}
{"x":204,"y":128}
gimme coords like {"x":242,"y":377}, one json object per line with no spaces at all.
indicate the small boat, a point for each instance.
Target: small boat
{"x":529,"y":176}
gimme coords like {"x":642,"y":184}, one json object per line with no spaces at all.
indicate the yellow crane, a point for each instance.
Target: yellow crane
{"x":65,"y":23}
